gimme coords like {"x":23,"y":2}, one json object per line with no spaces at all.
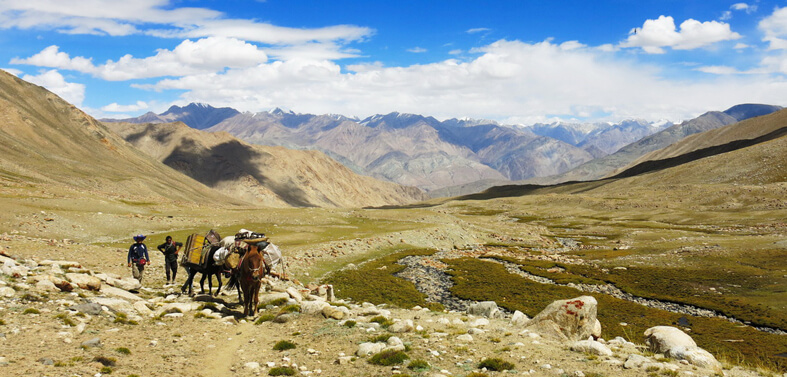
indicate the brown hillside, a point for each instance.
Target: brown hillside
{"x":270,"y":176}
{"x":749,"y":129}
{"x":50,"y":145}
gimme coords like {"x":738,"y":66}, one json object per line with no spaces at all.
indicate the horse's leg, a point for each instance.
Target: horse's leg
{"x":218,"y":277}
{"x":256,"y":295}
{"x":189,"y":280}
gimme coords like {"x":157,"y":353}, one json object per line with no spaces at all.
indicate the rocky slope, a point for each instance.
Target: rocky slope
{"x":261,"y":175}
{"x":92,"y":322}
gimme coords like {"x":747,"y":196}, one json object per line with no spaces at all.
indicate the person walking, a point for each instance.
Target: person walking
{"x":138,"y":257}
{"x":170,"y":250}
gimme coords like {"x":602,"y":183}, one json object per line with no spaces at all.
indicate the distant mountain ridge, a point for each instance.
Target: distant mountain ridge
{"x":411,"y":149}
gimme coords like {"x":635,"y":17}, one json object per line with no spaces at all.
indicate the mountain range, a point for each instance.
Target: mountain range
{"x":416,"y":150}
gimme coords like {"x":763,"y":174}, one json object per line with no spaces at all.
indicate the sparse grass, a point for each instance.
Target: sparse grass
{"x":483,"y":281}
{"x":123,"y":350}
{"x":66,"y":319}
{"x":267,"y":317}
{"x":477,"y":374}
{"x":281,"y":371}
{"x":294,"y":308}
{"x":388,"y":358}
{"x":208,"y":305}
{"x":122,"y":318}
{"x":200,"y":315}
{"x":106,"y":370}
{"x":374,"y":282}
{"x":277,"y":302}
{"x":106,"y":361}
{"x":31,"y":311}
{"x":349,"y":324}
{"x":418,"y":365}
{"x":283,"y":345}
{"x":382,"y":338}
{"x":495,"y":364}
{"x":384,"y":322}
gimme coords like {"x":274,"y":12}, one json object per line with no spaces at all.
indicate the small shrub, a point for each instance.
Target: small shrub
{"x":276,"y":302}
{"x":106,"y":361}
{"x":669,"y":373}
{"x":208,"y":305}
{"x":2,"y":323}
{"x":382,"y":338}
{"x":477,"y":374}
{"x":652,"y":368}
{"x":123,"y":350}
{"x":388,"y":358}
{"x":264,"y":318}
{"x":106,"y":370}
{"x":66,"y":319}
{"x":495,"y":364}
{"x":350,"y":324}
{"x":281,"y":371}
{"x":283,"y":345}
{"x":418,"y":365}
{"x":31,"y":311}
{"x":384,"y":322}
{"x":200,"y":315}
{"x":122,"y":319}
{"x":290,"y":309}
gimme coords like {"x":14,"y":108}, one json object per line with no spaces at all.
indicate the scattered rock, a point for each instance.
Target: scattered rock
{"x":85,"y":281}
{"x":572,"y":320}
{"x":402,"y":326}
{"x":592,"y":347}
{"x":91,"y":343}
{"x":487,"y":309}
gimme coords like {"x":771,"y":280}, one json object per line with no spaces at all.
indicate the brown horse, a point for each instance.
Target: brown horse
{"x":251,"y":269}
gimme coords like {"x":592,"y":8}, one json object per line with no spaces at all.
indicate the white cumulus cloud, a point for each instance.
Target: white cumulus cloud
{"x":775,"y":29}
{"x":188,"y":58}
{"x":53,"y":81}
{"x":116,"y":108}
{"x":510,"y":81}
{"x":655,"y":35}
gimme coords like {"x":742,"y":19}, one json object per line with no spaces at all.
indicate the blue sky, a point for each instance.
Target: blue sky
{"x":512,"y":61}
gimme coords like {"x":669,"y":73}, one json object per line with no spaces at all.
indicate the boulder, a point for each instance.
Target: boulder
{"x":479,"y":322}
{"x":567,"y":320}
{"x":60,"y":263}
{"x":674,"y":343}
{"x":394,"y":344}
{"x":486,"y":309}
{"x":695,"y":356}
{"x":175,"y":307}
{"x":47,"y":286}
{"x":91,"y":308}
{"x":129,"y":284}
{"x":402,"y":326}
{"x":519,"y":318}
{"x":591,"y":347}
{"x":273,"y":296}
{"x":11,"y":268}
{"x":85,"y":281}
{"x":117,"y":292}
{"x":635,"y":361}
{"x":366,"y":349}
{"x":295,"y":294}
{"x":313,"y":307}
{"x":142,"y":308}
{"x":335,"y":312}
{"x":7,"y":292}
{"x":661,"y":339}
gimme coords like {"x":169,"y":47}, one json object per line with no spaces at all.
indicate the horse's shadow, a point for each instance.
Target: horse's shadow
{"x":228,"y":308}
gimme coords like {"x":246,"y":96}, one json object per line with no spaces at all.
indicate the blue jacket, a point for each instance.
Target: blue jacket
{"x":137,"y":251}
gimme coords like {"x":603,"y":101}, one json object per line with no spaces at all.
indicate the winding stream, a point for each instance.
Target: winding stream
{"x":436,"y":285}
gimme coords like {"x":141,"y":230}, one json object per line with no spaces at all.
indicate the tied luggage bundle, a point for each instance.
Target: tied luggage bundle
{"x":197,"y":249}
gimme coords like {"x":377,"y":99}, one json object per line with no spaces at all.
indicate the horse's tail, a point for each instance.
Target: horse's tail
{"x":233,"y":282}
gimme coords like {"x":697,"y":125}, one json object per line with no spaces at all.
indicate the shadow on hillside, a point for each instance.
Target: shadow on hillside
{"x":228,"y":162}
{"x":150,"y":130}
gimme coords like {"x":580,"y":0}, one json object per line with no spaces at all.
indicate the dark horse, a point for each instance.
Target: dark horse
{"x":251,"y":270}
{"x":207,"y":272}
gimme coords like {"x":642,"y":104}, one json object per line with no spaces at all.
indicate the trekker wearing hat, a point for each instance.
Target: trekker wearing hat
{"x":138,"y":257}
{"x":170,"y":250}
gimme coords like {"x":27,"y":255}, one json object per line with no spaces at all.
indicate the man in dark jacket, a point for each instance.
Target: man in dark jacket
{"x":138,"y":257}
{"x":170,"y":250}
